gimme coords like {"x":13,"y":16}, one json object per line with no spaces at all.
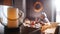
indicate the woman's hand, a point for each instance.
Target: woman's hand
{"x":44,"y":27}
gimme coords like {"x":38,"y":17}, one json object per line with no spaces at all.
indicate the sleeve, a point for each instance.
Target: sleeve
{"x":44,"y":14}
{"x":46,"y":19}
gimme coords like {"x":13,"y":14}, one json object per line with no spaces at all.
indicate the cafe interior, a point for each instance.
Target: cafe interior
{"x":29,"y":17}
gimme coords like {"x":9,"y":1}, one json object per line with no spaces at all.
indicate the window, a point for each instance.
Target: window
{"x":57,"y":10}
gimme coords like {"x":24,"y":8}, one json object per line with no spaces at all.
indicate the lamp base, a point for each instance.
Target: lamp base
{"x":11,"y":30}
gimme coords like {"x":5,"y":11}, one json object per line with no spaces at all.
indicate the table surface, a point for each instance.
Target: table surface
{"x":2,"y":30}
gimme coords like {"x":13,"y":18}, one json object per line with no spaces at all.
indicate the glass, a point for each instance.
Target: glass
{"x":12,"y":16}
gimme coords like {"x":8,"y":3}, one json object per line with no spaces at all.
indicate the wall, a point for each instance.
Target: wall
{"x":1,"y":2}
{"x":21,"y":4}
{"x":18,"y":4}
{"x":47,"y":8}
{"x":7,"y":2}
{"x":27,"y":7}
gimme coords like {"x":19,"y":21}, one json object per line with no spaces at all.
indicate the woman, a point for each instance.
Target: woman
{"x":43,"y":18}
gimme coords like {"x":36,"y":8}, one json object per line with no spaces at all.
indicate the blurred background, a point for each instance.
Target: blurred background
{"x":51,"y":8}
